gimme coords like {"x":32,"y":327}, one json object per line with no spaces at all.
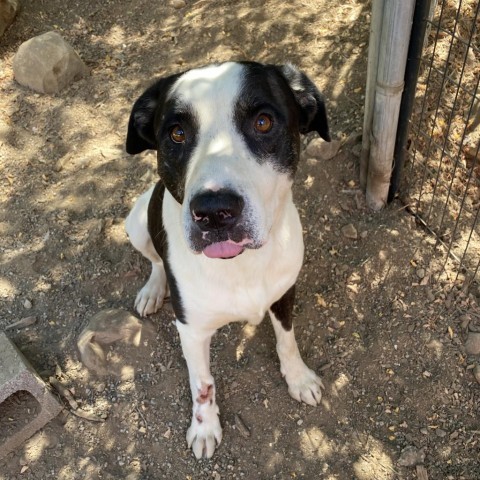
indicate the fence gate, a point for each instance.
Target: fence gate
{"x":441,"y":178}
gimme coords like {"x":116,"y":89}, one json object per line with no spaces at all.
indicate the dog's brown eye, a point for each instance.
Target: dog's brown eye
{"x":177,"y":134}
{"x":263,"y":123}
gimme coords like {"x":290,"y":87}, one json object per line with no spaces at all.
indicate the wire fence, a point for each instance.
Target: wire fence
{"x":442,"y":175}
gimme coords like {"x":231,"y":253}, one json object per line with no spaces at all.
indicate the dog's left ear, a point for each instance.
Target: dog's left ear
{"x":313,"y":114}
{"x":141,"y":132}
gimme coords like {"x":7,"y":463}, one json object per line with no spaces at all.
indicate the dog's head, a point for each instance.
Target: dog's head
{"x":227,"y":141}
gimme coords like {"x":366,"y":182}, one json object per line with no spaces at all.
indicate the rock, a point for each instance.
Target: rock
{"x":349,"y":231}
{"x":420,"y":273}
{"x":318,"y":148}
{"x":440,"y":433}
{"x":8,"y":10}
{"x":178,"y":4}
{"x":106,"y":327}
{"x":100,"y":388}
{"x":357,"y":150}
{"x":472,"y":345}
{"x":411,"y":456}
{"x":47,"y":64}
{"x":476,"y":372}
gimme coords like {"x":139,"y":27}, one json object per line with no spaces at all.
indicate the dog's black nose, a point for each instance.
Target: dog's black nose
{"x":218,"y":210}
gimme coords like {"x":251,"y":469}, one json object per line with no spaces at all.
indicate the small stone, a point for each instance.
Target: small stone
{"x":420,"y":273}
{"x":440,"y":433}
{"x":322,"y":150}
{"x":476,"y":372}
{"x":178,"y":4}
{"x":349,"y":231}
{"x":100,"y":387}
{"x":472,"y":345}
{"x":27,"y":304}
{"x":424,"y":431}
{"x":357,"y":150}
{"x":299,"y":422}
{"x":465,"y":321}
{"x":47,"y":64}
{"x":142,"y":430}
{"x":364,"y":234}
{"x":411,"y":456}
{"x":8,"y":10}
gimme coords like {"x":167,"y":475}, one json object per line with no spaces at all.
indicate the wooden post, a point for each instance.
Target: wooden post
{"x":372,"y":66}
{"x":394,"y":40}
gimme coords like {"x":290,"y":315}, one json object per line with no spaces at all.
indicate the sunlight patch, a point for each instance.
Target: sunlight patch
{"x":315,"y":444}
{"x":374,"y":464}
{"x":339,"y":384}
{"x":248,"y":332}
{"x":7,"y":289}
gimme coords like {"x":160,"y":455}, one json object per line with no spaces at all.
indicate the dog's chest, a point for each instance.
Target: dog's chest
{"x":236,"y":295}
{"x":215,"y":292}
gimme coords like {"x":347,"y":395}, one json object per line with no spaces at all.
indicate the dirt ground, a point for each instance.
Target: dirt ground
{"x":388,"y":343}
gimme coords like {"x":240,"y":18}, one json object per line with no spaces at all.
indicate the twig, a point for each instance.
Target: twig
{"x":242,"y":428}
{"x":141,"y":414}
{"x":87,"y":416}
{"x":22,"y":323}
{"x":422,"y":472}
{"x":64,"y":392}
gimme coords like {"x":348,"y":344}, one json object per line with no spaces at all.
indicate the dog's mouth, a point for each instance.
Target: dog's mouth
{"x":226,"y":249}
{"x":222,"y":243}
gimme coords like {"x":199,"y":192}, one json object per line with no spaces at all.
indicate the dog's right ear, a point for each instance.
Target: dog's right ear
{"x":141,"y":131}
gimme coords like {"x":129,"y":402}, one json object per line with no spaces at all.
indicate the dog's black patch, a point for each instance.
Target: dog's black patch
{"x":293,"y":103}
{"x":283,"y":308}
{"x":310,"y":102}
{"x":159,"y":239}
{"x":141,"y":130}
{"x":149,"y":127}
{"x":172,"y":158}
{"x":264,"y":91}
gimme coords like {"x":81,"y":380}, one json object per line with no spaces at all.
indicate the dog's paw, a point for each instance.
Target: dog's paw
{"x":204,"y":434}
{"x":150,"y":297}
{"x":305,"y":386}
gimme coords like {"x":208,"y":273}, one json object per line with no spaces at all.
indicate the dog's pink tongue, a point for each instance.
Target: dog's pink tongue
{"x":223,"y":250}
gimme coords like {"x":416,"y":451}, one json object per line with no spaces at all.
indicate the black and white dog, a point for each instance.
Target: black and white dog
{"x":220,"y":227}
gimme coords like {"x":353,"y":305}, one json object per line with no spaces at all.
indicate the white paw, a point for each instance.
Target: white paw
{"x":204,"y":434}
{"x":304,"y":385}
{"x":150,"y":297}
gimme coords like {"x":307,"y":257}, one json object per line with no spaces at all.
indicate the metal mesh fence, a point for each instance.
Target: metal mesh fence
{"x":442,"y":174}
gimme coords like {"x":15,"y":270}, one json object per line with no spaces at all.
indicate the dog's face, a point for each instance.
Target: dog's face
{"x":227,"y":141}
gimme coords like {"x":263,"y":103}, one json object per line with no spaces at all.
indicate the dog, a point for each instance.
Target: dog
{"x":220,"y":227}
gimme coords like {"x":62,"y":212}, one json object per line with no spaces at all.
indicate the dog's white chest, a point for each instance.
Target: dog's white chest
{"x":215,"y":292}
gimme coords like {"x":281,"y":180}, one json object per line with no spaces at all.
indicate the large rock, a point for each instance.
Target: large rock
{"x":322,"y":150}
{"x":8,"y":10}
{"x":47,"y":63}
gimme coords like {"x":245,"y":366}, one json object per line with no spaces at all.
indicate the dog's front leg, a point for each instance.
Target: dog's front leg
{"x":303,"y":384}
{"x":205,"y":430}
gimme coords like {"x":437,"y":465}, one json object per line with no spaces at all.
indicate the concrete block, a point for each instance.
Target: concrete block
{"x":17,"y":375}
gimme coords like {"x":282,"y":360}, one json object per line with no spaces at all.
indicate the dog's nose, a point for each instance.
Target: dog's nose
{"x":218,"y":210}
